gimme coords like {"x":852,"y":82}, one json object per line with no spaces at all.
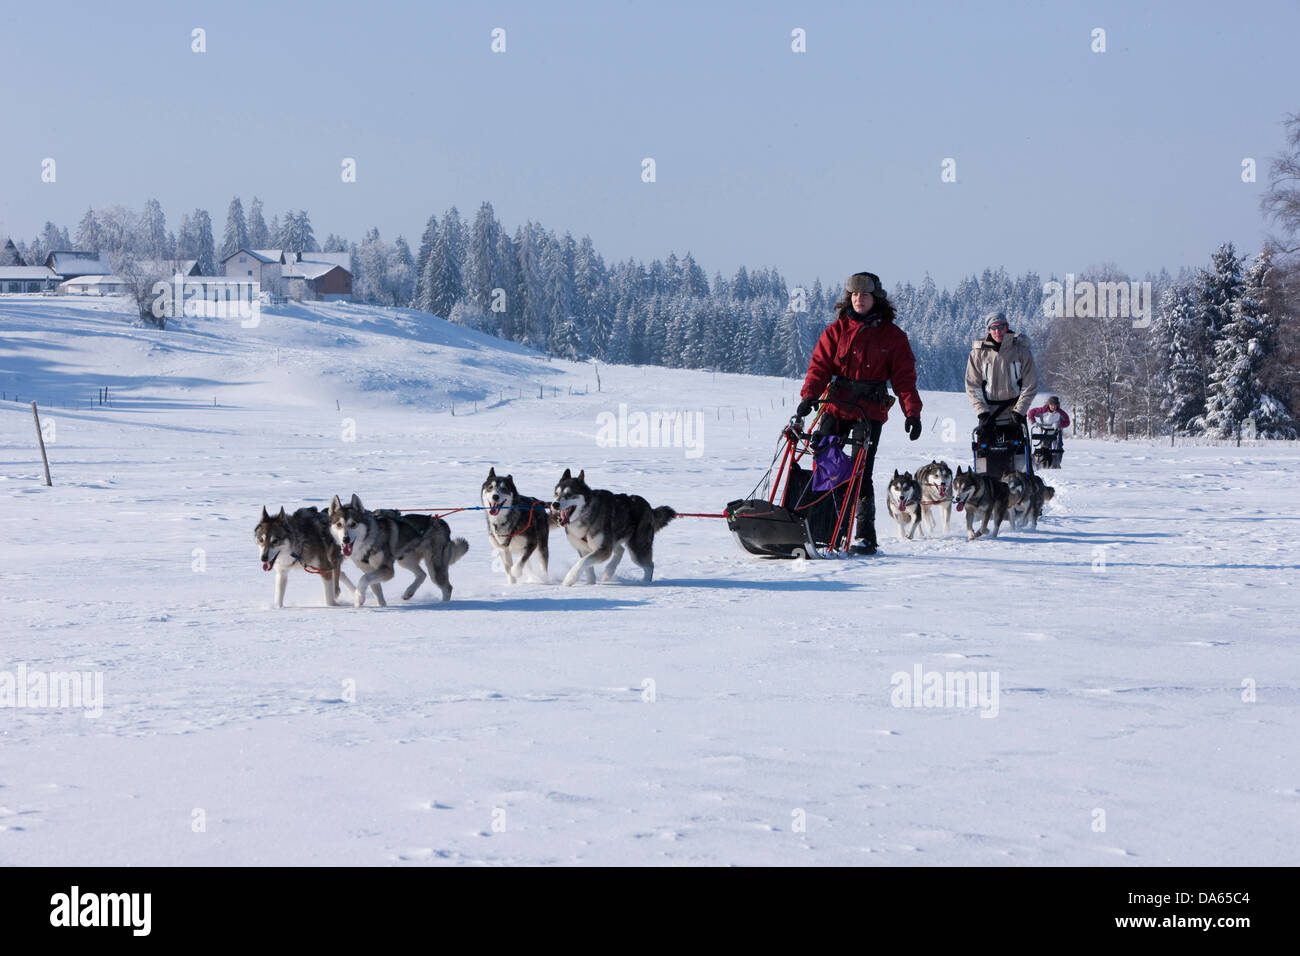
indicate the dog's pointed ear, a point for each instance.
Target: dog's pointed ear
{"x":510,"y":478}
{"x":265,"y":516}
{"x":582,"y":475}
{"x":492,"y":472}
{"x":356,"y":502}
{"x":280,"y":516}
{"x":566,"y":476}
{"x":336,"y":505}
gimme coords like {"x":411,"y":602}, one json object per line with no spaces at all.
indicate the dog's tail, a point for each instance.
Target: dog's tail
{"x":662,"y":515}
{"x":456,"y":550}
{"x":1048,"y":492}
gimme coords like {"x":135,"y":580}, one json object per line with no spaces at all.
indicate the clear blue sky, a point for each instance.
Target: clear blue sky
{"x":820,"y":163}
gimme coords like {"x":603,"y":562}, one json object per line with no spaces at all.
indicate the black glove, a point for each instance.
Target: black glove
{"x":985,"y":418}
{"x":805,"y":407}
{"x":1020,"y":419}
{"x":913,"y":426}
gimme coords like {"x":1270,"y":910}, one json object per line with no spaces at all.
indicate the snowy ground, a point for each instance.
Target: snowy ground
{"x":737,"y":711}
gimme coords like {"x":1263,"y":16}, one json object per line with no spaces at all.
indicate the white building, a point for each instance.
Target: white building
{"x":14,"y":279}
{"x":256,"y":265}
{"x":94,"y":285}
{"x":72,"y":263}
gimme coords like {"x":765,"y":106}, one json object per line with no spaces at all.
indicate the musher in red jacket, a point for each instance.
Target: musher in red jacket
{"x":865,"y":349}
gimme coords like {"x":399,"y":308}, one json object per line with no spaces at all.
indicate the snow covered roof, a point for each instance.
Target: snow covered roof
{"x":168,"y":266}
{"x":91,"y":280}
{"x":308,"y":270}
{"x":343,"y":259}
{"x":261,"y":255}
{"x":77,"y":262}
{"x":27,"y":272}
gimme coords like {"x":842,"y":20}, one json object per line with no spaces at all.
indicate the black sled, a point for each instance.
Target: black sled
{"x":794,"y":521}
{"x":1000,"y":448}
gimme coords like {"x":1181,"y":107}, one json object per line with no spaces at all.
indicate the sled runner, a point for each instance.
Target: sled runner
{"x":808,"y":512}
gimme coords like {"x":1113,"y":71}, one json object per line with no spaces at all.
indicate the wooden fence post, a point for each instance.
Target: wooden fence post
{"x":41,"y":438}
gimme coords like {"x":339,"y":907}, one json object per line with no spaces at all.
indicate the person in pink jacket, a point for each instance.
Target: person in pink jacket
{"x":1051,"y":415}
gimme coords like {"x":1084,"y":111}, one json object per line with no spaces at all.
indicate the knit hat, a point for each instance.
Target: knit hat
{"x":995,"y":318}
{"x":864,"y":282}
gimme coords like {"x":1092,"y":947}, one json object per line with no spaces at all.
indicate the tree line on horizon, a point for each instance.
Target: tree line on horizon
{"x":1221,"y":352}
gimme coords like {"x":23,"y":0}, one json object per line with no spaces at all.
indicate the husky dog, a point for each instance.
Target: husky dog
{"x":377,"y":540}
{"x":517,"y":524}
{"x":600,"y":524}
{"x":905,"y":503}
{"x":1026,"y":495}
{"x":979,"y":495}
{"x":302,"y":540}
{"x":935,"y":480}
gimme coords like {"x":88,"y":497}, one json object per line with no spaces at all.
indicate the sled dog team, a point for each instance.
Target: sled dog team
{"x":1017,"y":497}
{"x":601,"y":526}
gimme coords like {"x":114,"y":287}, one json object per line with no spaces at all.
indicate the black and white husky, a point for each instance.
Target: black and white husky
{"x":600,"y":524}
{"x":981,"y":497}
{"x":904,"y":499}
{"x":518,"y":526}
{"x":378,"y":540}
{"x":935,"y":480}
{"x":1026,"y":495}
{"x":300,"y":540}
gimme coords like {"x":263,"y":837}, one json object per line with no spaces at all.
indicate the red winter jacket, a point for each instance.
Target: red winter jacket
{"x":853,"y":349}
{"x":1045,"y":412}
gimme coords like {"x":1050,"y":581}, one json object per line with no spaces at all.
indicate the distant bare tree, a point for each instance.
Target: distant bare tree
{"x":1093,"y":359}
{"x":141,"y":276}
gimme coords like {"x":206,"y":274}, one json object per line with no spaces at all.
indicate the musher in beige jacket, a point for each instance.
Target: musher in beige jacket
{"x":1001,"y":380}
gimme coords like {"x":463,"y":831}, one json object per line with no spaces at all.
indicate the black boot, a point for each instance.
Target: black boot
{"x":866,"y":524}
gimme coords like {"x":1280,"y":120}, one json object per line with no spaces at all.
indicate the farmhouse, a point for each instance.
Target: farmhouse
{"x":74,"y":263}
{"x":27,"y":279}
{"x":300,"y":275}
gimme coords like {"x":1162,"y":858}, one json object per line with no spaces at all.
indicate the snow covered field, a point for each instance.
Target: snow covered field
{"x":737,"y":711}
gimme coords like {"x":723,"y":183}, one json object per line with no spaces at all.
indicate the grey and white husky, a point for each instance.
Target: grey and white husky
{"x":935,"y":480}
{"x":981,"y":497}
{"x":1026,"y":495}
{"x":378,"y":540}
{"x":904,"y":497}
{"x":518,"y":526}
{"x":300,"y":540}
{"x":601,"y":524}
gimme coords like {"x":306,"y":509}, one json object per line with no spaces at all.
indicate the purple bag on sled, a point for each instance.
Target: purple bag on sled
{"x":831,"y":467}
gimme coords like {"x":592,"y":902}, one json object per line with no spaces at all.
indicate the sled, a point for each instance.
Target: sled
{"x":1000,"y":448}
{"x":1048,"y":447}
{"x":793,"y":520}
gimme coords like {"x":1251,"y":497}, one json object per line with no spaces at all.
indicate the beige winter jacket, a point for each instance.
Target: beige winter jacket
{"x":1004,"y":373}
